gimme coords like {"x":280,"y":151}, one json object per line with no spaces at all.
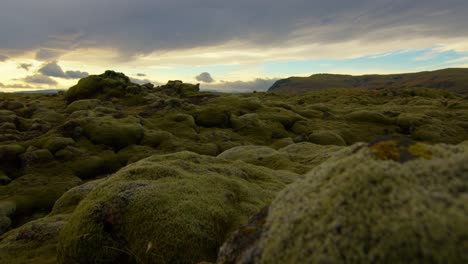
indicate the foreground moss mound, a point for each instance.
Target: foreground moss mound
{"x":364,"y":207}
{"x":175,"y":208}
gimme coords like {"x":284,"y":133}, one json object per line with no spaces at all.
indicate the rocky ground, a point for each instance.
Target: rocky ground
{"x":115,"y":172}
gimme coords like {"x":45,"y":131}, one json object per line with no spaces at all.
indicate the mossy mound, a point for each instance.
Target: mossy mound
{"x":368,"y":116}
{"x":325,"y":137}
{"x":116,"y":133}
{"x":32,"y":195}
{"x":262,"y":156}
{"x":85,"y":104}
{"x":362,"y":206}
{"x":179,"y":88}
{"x":55,"y":144}
{"x":34,"y":242}
{"x":10,"y":157}
{"x":175,"y":208}
{"x":107,"y":85}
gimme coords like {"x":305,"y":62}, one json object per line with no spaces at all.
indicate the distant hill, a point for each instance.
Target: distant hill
{"x":454,"y":80}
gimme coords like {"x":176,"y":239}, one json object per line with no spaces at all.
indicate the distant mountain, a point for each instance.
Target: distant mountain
{"x":49,"y":91}
{"x":454,"y":80}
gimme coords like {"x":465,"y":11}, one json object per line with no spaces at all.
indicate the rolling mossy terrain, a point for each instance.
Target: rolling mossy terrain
{"x":115,"y":172}
{"x":453,"y":80}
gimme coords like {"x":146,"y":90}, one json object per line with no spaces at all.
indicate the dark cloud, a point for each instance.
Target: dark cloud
{"x":76,"y":74}
{"x":3,"y":57}
{"x":145,"y":26}
{"x":258,"y":84}
{"x":52,"y":69}
{"x":204,"y":77}
{"x":140,"y":74}
{"x":24,"y":66}
{"x":40,"y":79}
{"x":15,"y":85}
{"x":47,"y":54}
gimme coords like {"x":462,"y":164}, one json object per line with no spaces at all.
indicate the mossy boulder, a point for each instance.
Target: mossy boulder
{"x":107,"y":85}
{"x":36,"y":157}
{"x":213,"y":117}
{"x":33,"y":195}
{"x":262,"y":156}
{"x":10,"y":160}
{"x":57,"y":143}
{"x":175,"y":208}
{"x":364,"y":205}
{"x":34,"y":242}
{"x":4,"y":179}
{"x":69,"y":200}
{"x":179,"y":88}
{"x":85,"y":104}
{"x":96,"y":165}
{"x":156,"y":138}
{"x":326,"y":137}
{"x":368,"y":116}
{"x":116,"y":133}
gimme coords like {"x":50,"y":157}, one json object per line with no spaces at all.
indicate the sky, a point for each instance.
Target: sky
{"x":231,"y":46}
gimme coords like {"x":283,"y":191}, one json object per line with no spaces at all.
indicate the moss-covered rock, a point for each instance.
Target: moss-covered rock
{"x":36,"y":157}
{"x":165,"y":209}
{"x":179,"y":88}
{"x":262,"y":156}
{"x":85,"y":104}
{"x":156,"y":138}
{"x":107,"y":85}
{"x":34,"y":242}
{"x":368,"y":116}
{"x":57,"y":143}
{"x":96,"y":165}
{"x":213,"y":117}
{"x":10,"y":157}
{"x":326,"y":137}
{"x":33,"y":195}
{"x":116,"y":133}
{"x":69,"y":200}
{"x":362,"y":206}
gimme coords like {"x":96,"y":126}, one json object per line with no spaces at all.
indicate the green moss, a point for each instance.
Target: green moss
{"x":107,"y":85}
{"x":155,"y":138}
{"x":92,"y":166}
{"x":85,"y":104}
{"x":57,"y":143}
{"x":34,"y":242}
{"x":36,"y":157}
{"x":134,"y":153}
{"x":175,"y":208}
{"x":67,"y":203}
{"x":116,"y":133}
{"x":368,"y":116}
{"x":213,"y":117}
{"x":356,"y":208}
{"x":325,"y":137}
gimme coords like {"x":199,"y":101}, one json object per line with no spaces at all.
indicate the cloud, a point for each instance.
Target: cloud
{"x":47,"y":54}
{"x":76,"y":74}
{"x":3,"y":57}
{"x":24,"y":66}
{"x":52,"y":69}
{"x":258,"y":84}
{"x":40,"y":79}
{"x":159,"y":26}
{"x":143,"y":81}
{"x":204,"y":77}
{"x":15,"y":85}
{"x":140,"y":74}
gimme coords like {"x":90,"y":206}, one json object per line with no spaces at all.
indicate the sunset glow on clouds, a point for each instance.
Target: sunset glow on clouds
{"x":243,"y":45}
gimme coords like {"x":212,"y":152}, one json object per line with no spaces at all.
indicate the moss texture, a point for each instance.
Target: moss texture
{"x":175,"y":208}
{"x":359,"y":208}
